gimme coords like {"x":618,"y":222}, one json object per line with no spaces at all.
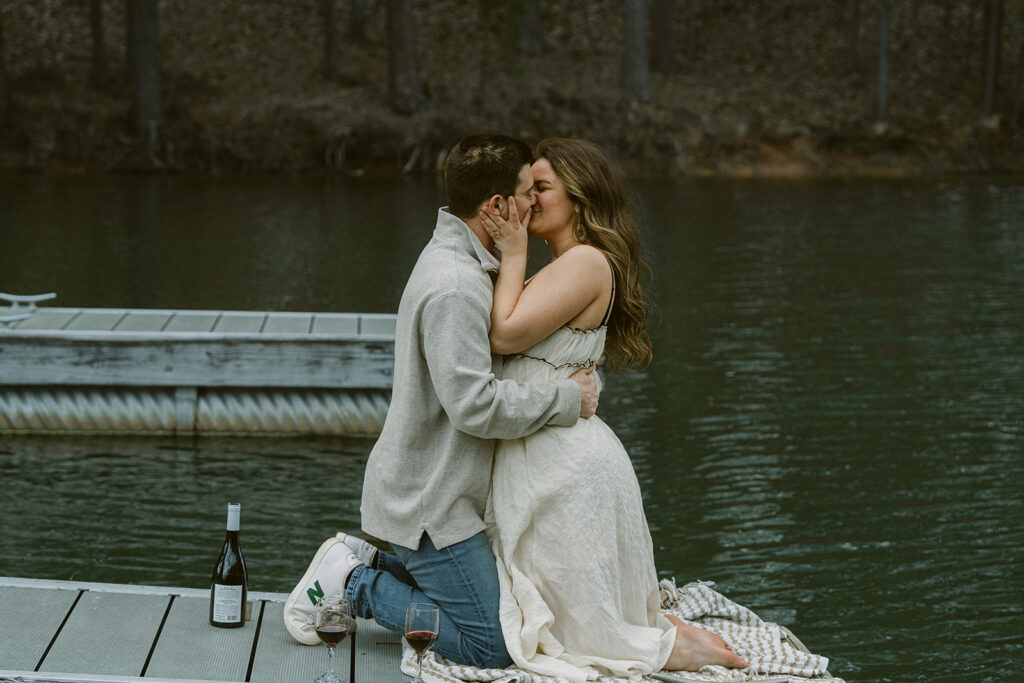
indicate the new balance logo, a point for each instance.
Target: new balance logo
{"x":315,"y":593}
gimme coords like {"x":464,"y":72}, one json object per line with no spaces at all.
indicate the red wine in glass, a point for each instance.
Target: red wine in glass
{"x":333,"y":620}
{"x":332,"y":634}
{"x":421,"y":641}
{"x":422,"y":623}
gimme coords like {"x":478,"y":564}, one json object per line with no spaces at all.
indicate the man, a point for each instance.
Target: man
{"x":428,"y":475}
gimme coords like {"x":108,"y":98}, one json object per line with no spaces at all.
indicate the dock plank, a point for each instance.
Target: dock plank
{"x":99,"y":319}
{"x":99,"y":619}
{"x":378,"y":654}
{"x":279,"y":652}
{"x":43,"y":319}
{"x":240,"y":321}
{"x":288,"y":323}
{"x":31,"y":616}
{"x":336,"y":323}
{"x":377,"y":324}
{"x":143,"y":321}
{"x":189,"y":647}
{"x":192,"y":321}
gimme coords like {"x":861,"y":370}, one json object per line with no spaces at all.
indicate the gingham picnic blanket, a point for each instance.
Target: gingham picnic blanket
{"x":771,"y":656}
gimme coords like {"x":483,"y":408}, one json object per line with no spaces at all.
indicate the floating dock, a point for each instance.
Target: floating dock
{"x":184,"y":372}
{"x":76,"y":632}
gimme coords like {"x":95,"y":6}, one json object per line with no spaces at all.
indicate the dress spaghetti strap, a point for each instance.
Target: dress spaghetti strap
{"x":611,"y":299}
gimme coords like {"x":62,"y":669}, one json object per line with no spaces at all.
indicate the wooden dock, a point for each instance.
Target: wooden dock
{"x":75,"y":370}
{"x":77,"y":632}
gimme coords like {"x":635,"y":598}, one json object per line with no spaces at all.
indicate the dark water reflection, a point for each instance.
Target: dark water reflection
{"x":833,"y":429}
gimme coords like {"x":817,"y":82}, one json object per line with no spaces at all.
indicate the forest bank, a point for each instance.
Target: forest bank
{"x":367,"y":86}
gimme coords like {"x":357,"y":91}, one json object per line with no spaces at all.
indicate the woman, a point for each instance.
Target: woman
{"x":575,"y":559}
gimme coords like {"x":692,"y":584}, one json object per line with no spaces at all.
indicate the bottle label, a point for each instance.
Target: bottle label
{"x":227,"y":603}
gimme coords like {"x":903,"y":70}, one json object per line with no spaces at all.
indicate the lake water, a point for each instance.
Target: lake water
{"x":832,"y":430}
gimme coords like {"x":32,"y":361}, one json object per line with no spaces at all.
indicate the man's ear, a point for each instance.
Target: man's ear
{"x":494,"y":204}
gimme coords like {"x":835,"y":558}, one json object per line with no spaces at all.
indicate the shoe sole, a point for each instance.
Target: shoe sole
{"x":300,"y":592}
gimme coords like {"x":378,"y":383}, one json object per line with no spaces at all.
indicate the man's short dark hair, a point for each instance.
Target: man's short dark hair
{"x":481,"y":166}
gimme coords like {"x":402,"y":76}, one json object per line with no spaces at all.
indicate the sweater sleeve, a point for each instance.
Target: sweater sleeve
{"x":454,"y":331}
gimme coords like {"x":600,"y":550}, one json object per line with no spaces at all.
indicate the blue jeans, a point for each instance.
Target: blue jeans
{"x":461,"y":580}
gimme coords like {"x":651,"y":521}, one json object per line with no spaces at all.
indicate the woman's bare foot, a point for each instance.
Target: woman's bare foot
{"x":696,"y":647}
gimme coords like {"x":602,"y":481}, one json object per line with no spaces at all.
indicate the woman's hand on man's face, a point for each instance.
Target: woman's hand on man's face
{"x":510,"y":236}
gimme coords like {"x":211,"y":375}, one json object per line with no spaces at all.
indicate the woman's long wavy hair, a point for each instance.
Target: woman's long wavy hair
{"x":606,"y":222}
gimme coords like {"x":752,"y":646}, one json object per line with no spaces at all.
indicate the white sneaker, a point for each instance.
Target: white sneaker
{"x":366,"y":552}
{"x":327,"y":574}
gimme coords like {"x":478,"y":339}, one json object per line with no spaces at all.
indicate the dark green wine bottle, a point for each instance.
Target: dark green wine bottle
{"x":229,"y":586}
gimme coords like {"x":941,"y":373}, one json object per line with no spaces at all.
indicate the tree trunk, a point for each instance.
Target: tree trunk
{"x":993,"y":45}
{"x":405,"y":91}
{"x":854,"y":36}
{"x":908,"y":67}
{"x":883,"y":62}
{"x":947,"y":68}
{"x":664,"y":43}
{"x":98,"y":74}
{"x":691,"y":32}
{"x":1018,"y":98}
{"x":1018,"y":93}
{"x":533,"y":33}
{"x":636,"y":80}
{"x":766,"y":30}
{"x":330,"y":41}
{"x":144,"y":69}
{"x":356,"y":32}
{"x":3,"y":82}
{"x":975,"y":12}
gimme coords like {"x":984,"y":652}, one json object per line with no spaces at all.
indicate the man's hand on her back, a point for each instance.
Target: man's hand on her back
{"x":588,"y":391}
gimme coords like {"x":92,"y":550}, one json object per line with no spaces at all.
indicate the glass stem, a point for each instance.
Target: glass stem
{"x":330,"y":660}
{"x":419,"y":666}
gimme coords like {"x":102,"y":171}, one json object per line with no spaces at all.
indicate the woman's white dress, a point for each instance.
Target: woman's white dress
{"x":579,"y":591}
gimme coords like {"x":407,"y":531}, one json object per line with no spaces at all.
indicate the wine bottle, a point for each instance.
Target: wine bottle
{"x":229,"y":585}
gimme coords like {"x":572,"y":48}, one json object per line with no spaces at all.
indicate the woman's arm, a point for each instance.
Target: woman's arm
{"x":512,"y":240}
{"x":522,"y":316}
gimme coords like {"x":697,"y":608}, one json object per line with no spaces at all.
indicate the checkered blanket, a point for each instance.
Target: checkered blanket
{"x":771,"y":655}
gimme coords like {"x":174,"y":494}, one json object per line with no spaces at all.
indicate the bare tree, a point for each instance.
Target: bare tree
{"x":854,"y":36}
{"x":883,"y":61}
{"x":144,"y":68}
{"x":330,"y":40}
{"x":947,"y":66}
{"x":3,"y":81}
{"x":405,"y":91}
{"x":1018,"y":98}
{"x":691,"y":32}
{"x":993,"y":48}
{"x":908,"y":66}
{"x":766,"y":30}
{"x":533,"y":35}
{"x":356,"y":32}
{"x":975,"y":10}
{"x":98,"y":73}
{"x":663,"y":40}
{"x":636,"y":80}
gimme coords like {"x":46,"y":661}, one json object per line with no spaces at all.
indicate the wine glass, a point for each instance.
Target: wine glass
{"x":421,"y":624}
{"x":333,"y":620}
